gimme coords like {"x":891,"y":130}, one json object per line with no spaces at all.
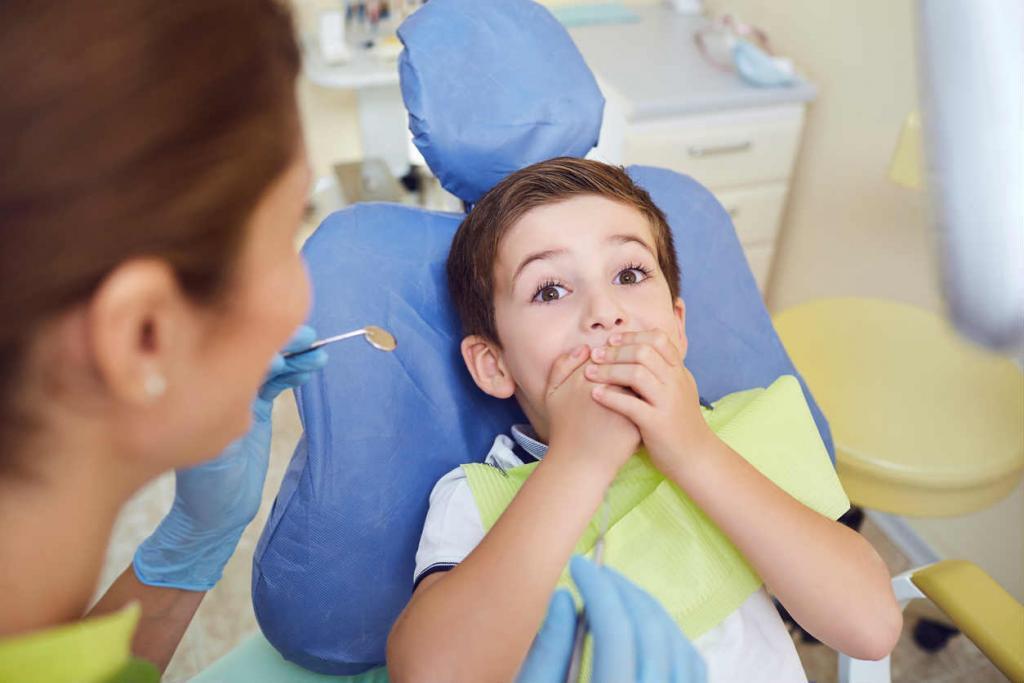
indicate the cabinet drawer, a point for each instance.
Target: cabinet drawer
{"x":756,"y":211}
{"x":720,"y":150}
{"x":760,"y":260}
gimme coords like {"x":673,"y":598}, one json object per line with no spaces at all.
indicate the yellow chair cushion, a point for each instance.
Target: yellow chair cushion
{"x":924,"y":423}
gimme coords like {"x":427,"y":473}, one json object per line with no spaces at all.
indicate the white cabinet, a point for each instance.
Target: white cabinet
{"x":728,"y":149}
{"x":756,"y":211}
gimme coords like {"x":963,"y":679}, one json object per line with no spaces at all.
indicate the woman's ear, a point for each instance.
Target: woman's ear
{"x":131,"y":319}
{"x":484,"y":360}
{"x":679,"y":309}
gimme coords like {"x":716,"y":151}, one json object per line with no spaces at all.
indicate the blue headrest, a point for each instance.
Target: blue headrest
{"x":334,"y":565}
{"x":486,"y":97}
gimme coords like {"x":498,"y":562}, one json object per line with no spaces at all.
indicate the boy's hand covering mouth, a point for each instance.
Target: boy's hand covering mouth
{"x":579,"y":426}
{"x":663,"y":402}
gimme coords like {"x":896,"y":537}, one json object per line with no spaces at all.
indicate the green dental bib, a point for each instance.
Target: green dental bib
{"x":661,"y":540}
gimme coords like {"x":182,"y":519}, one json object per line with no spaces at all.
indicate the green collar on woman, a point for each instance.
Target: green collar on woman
{"x":95,"y":650}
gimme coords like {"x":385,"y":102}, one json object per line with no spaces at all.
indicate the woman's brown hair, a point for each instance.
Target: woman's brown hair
{"x":132,"y":128}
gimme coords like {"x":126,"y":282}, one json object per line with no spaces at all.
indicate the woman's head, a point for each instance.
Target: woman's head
{"x":153,"y":178}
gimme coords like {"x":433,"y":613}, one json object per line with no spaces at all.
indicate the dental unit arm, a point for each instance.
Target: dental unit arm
{"x":971,"y":63}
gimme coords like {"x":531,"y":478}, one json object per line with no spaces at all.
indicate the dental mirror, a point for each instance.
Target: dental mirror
{"x":377,"y":337}
{"x":380,"y":338}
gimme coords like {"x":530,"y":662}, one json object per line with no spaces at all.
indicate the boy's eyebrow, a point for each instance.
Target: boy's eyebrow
{"x":537,"y":256}
{"x":625,"y":239}
{"x":549,"y":253}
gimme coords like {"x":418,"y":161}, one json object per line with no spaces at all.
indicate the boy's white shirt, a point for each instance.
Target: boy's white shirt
{"x":751,"y":645}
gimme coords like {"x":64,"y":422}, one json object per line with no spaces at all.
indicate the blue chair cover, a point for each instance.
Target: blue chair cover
{"x":471,"y":74}
{"x":334,"y":565}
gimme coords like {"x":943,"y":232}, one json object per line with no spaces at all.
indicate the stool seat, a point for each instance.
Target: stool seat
{"x":924,"y":423}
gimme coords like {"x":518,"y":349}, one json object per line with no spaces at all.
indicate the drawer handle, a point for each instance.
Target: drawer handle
{"x":699,"y":151}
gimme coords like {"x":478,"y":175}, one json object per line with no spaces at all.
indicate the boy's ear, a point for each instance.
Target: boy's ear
{"x":679,"y":308}
{"x":484,"y":360}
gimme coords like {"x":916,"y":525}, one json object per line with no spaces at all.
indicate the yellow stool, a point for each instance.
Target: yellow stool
{"x":924,"y":424}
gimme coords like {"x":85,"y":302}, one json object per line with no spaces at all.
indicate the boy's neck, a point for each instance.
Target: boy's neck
{"x":536,"y":416}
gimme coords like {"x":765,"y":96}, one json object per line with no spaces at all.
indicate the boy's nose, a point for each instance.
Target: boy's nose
{"x":605,"y":314}
{"x":607,"y":323}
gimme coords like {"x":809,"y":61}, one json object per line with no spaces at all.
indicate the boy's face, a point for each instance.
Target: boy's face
{"x":571,"y":273}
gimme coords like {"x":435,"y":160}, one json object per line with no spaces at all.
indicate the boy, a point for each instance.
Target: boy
{"x":565,"y":279}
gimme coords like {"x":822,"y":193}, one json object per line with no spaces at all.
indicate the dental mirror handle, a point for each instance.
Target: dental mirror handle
{"x":377,"y":337}
{"x":324,"y":342}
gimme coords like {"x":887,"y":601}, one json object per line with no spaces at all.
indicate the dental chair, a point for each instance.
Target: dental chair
{"x":491,"y":87}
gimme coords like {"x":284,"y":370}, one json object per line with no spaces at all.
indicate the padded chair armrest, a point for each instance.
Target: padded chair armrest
{"x":980,"y":608}
{"x":973,"y":601}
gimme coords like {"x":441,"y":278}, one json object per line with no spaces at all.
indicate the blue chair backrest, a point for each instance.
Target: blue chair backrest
{"x":491,"y":86}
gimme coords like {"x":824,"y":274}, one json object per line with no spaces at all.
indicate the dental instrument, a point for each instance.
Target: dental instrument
{"x":378,"y":337}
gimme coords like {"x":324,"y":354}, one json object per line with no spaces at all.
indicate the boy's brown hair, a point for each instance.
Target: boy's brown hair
{"x":475,"y":247}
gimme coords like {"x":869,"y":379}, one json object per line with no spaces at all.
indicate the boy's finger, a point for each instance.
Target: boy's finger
{"x":656,"y":338}
{"x":566,"y":364}
{"x":644,"y":354}
{"x":623,"y":402}
{"x":630,"y":375}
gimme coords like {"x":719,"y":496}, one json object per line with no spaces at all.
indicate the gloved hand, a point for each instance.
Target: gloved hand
{"x":635,"y":640}
{"x":215,"y":501}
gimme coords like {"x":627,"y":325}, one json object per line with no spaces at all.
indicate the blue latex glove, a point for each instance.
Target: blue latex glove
{"x":635,"y":640}
{"x":215,"y":501}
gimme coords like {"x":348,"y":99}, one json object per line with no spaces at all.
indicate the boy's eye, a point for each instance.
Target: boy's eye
{"x":549,"y":293}
{"x":631,"y":276}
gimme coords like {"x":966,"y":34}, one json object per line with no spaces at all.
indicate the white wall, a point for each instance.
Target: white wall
{"x":848,"y":230}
